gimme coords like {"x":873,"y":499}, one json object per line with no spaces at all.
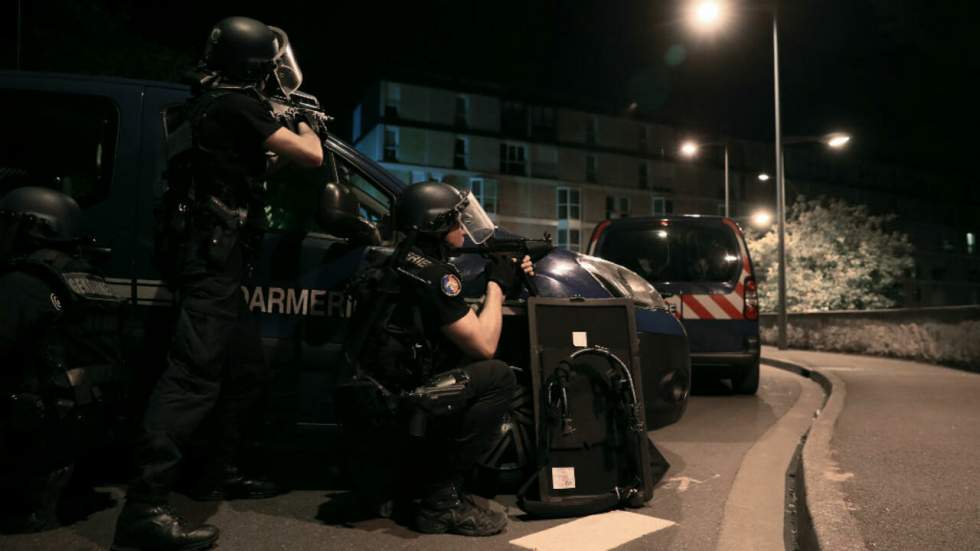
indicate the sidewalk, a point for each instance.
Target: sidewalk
{"x":893,"y":459}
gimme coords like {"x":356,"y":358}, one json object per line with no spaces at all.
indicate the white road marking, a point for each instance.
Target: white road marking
{"x":684,"y":482}
{"x":594,"y":532}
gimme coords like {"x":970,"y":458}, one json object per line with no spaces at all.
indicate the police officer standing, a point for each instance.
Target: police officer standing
{"x":431,"y":334}
{"x":210,"y":218}
{"x":59,"y":349}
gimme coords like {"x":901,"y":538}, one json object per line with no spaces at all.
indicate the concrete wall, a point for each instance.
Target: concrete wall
{"x":943,"y":335}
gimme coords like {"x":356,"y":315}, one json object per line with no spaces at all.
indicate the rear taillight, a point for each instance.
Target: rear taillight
{"x":751,"y":308}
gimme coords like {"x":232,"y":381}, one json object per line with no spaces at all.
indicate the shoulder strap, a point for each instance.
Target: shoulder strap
{"x":46,"y":265}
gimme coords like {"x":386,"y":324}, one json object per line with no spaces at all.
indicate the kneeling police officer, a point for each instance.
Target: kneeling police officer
{"x":59,"y":353}
{"x":431,"y":335}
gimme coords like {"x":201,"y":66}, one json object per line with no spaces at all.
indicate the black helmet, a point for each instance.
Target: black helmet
{"x":35,"y":216}
{"x":435,"y":207}
{"x":246,"y":50}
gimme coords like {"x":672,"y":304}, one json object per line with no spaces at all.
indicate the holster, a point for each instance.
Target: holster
{"x":225,"y":231}
{"x":443,"y":394}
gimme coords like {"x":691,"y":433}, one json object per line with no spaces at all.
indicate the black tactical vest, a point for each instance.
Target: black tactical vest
{"x":79,"y":352}
{"x":400,"y":352}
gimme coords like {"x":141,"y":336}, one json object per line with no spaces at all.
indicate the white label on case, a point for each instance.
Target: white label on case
{"x":580,"y":339}
{"x":562,"y":478}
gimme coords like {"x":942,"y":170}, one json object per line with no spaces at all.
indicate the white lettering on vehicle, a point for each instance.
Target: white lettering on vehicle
{"x":297,"y":302}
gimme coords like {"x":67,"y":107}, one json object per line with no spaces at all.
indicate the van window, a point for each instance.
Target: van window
{"x":674,"y":253}
{"x":294,"y":195}
{"x":60,"y":141}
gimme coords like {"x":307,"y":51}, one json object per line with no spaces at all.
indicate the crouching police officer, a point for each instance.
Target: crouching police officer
{"x":431,"y":335}
{"x":210,"y":221}
{"x":59,"y":349}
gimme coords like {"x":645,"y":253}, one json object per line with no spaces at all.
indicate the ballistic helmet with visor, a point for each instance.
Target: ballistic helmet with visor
{"x":435,"y":207}
{"x":34,"y":216}
{"x":246,"y":50}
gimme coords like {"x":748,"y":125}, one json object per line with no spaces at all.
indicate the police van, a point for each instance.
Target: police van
{"x":102,"y":140}
{"x":701,"y":266}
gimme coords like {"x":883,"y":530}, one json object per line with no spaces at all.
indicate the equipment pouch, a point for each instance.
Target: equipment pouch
{"x":225,"y":233}
{"x":220,"y":244}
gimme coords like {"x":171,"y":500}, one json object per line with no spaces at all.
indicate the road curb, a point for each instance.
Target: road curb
{"x":826,"y":522}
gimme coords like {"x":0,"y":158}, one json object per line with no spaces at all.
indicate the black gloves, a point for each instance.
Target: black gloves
{"x":310,"y":119}
{"x":504,"y":271}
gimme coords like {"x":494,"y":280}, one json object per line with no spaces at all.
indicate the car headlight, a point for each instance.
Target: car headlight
{"x":622,"y":282}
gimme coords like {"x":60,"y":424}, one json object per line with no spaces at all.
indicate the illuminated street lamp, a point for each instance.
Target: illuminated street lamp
{"x":707,"y":15}
{"x":690,"y":149}
{"x":761,"y":219}
{"x":763,"y":177}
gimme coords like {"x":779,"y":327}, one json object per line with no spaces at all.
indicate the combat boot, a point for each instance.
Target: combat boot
{"x":231,"y":483}
{"x":150,"y":527}
{"x":446,"y":509}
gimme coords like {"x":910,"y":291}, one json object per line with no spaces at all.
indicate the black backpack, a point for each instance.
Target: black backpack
{"x":593,"y":452}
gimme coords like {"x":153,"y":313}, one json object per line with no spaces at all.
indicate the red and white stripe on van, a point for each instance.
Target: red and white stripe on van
{"x":741,"y":303}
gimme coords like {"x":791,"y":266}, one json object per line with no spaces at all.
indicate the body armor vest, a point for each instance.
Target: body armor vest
{"x":79,"y":353}
{"x":398,"y":352}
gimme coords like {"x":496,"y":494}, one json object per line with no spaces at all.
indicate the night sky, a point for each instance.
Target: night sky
{"x":897,"y":73}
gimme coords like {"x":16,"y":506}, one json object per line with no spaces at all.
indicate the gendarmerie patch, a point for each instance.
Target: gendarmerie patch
{"x":450,"y":285}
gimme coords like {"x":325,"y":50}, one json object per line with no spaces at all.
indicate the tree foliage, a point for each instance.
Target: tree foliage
{"x":838,"y":257}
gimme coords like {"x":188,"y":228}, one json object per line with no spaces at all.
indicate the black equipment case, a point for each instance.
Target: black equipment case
{"x":592,"y":445}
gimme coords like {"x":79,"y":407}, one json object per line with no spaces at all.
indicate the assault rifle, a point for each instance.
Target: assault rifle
{"x":300,"y":106}
{"x":517,"y":248}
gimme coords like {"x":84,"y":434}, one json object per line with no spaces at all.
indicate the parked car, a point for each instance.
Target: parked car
{"x":102,"y":140}
{"x":701,"y":266}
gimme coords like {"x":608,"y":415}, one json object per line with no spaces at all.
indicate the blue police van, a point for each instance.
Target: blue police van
{"x":702,"y":268}
{"x":102,"y":140}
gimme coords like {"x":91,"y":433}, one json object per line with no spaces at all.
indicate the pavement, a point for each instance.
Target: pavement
{"x":892,"y":460}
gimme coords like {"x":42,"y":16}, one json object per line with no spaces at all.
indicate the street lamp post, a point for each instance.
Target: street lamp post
{"x":709,"y":14}
{"x":780,"y":190}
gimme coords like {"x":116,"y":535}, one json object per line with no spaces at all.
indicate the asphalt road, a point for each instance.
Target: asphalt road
{"x":706,"y":450}
{"x":907,"y":450}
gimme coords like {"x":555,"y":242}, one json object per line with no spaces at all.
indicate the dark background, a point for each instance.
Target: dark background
{"x":898,"y":74}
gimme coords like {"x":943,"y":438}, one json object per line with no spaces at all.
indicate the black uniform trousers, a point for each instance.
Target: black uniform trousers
{"x":215,"y":367}
{"x":458,"y":441}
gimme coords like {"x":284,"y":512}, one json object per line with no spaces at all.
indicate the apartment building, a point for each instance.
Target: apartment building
{"x":539,"y":167}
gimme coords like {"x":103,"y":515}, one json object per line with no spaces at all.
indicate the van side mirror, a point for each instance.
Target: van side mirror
{"x":339,"y":214}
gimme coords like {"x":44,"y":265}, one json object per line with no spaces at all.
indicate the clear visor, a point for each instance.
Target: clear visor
{"x":475,"y":221}
{"x":287,"y":70}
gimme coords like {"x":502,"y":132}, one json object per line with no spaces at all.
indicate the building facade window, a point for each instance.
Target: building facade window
{"x":462,"y":114}
{"x":543,"y":124}
{"x":568,"y":237}
{"x":356,"y":123}
{"x":590,"y":130}
{"x":641,"y":139}
{"x":513,"y":159}
{"x":661,"y":205}
{"x":393,"y":100}
{"x":514,"y":121}
{"x":617,"y":206}
{"x":591,"y":168}
{"x":391,"y":144}
{"x":461,"y":153}
{"x":485,"y":192}
{"x":569,"y":205}
{"x":641,"y":176}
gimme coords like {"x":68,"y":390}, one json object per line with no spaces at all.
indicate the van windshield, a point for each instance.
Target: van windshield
{"x":678,"y":252}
